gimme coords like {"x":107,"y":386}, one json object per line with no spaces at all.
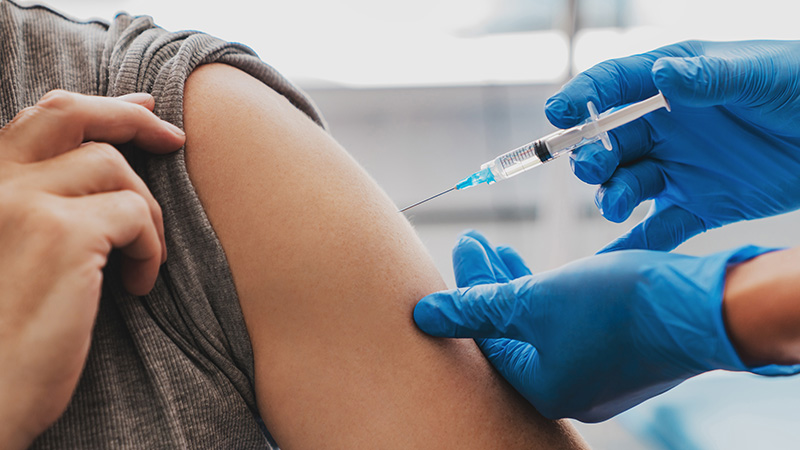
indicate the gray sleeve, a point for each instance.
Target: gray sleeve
{"x":174,"y":368}
{"x":202,"y":313}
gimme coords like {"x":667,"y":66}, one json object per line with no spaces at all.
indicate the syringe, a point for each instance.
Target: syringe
{"x":560,"y":142}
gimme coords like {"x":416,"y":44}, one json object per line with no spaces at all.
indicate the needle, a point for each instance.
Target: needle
{"x":429,"y":198}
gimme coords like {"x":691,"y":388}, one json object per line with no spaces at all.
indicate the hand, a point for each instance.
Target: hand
{"x":728,"y":151}
{"x":595,"y":337}
{"x":64,"y":204}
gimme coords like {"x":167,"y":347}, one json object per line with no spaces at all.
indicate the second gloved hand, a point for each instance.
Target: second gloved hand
{"x":728,"y":151}
{"x":597,"y":336}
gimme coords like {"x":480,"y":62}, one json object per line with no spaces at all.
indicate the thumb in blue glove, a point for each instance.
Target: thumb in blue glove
{"x":728,"y":151}
{"x":593,"y":338}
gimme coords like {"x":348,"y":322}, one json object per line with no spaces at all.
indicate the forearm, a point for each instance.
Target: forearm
{"x":761,"y":308}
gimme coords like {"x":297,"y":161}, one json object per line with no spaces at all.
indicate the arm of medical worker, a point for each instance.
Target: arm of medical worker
{"x":600,"y":335}
{"x":762,"y":308}
{"x":728,"y":151}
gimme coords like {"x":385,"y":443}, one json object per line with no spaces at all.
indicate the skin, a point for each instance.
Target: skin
{"x":65,"y":202}
{"x":761,"y":308}
{"x":328,"y":274}
{"x":334,"y":345}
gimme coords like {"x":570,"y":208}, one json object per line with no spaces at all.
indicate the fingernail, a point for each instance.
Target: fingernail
{"x":177,"y":131}
{"x":140,"y":98}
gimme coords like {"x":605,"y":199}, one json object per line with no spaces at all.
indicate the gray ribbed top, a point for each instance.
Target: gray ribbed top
{"x":173,"y":369}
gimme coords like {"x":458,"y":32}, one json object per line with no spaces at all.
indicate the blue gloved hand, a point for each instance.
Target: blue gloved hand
{"x":728,"y":151}
{"x":595,"y":337}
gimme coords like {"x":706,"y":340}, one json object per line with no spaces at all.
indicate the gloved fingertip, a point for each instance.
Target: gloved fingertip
{"x":670,"y":75}
{"x":468,"y":232}
{"x":505,"y":249}
{"x":587,"y":170}
{"x":472,"y":234}
{"x":463,"y":239}
{"x":513,"y":261}
{"x":469,"y":249}
{"x":478,"y":239}
{"x":614,"y":202}
{"x":687,"y":81}
{"x":591,"y":165}
{"x":428,"y":316}
{"x":431,"y":314}
{"x":560,"y":112}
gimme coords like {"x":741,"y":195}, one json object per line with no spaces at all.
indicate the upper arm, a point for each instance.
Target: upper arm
{"x":327,"y":274}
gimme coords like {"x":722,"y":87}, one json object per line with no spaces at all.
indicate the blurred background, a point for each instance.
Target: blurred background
{"x":422,"y":92}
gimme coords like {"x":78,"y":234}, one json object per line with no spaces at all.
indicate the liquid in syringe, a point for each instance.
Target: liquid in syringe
{"x":558,"y":143}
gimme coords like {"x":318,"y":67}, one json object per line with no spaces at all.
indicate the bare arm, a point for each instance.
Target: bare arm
{"x":328,"y":274}
{"x":762,"y":308}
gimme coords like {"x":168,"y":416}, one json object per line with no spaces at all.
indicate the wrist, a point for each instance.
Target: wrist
{"x":761,"y":310}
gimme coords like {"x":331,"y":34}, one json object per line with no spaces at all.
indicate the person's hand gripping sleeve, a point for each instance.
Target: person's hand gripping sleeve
{"x":597,"y":336}
{"x":67,"y":198}
{"x":728,"y":151}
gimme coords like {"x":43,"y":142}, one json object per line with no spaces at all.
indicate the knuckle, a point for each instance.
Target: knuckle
{"x":21,"y":117}
{"x":44,"y":218}
{"x":52,"y":219}
{"x":58,"y":99}
{"x":142,"y":117}
{"x":107,"y":158}
{"x":140,"y":112}
{"x":136,"y":204}
{"x":25,"y":112}
{"x":131,"y":113}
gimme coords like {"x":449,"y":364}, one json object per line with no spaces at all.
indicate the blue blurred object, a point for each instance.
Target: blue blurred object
{"x":729,"y":151}
{"x":720,"y":411}
{"x":597,"y":336}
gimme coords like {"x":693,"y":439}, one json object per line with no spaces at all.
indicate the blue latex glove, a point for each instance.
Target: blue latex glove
{"x":595,"y":337}
{"x":728,"y":151}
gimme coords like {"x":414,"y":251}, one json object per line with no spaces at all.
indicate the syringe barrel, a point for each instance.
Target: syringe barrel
{"x":518,"y":160}
{"x":560,"y":142}
{"x":536,"y":153}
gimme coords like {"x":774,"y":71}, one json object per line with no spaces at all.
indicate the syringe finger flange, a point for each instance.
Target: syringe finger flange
{"x":602,"y":135}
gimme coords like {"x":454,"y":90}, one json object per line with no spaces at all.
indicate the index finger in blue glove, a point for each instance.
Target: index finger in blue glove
{"x":663,"y":230}
{"x":705,"y":81}
{"x":611,"y":83}
{"x":608,"y":84}
{"x":482,"y":311}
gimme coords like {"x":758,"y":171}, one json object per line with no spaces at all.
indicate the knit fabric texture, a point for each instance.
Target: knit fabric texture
{"x":174,"y":368}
